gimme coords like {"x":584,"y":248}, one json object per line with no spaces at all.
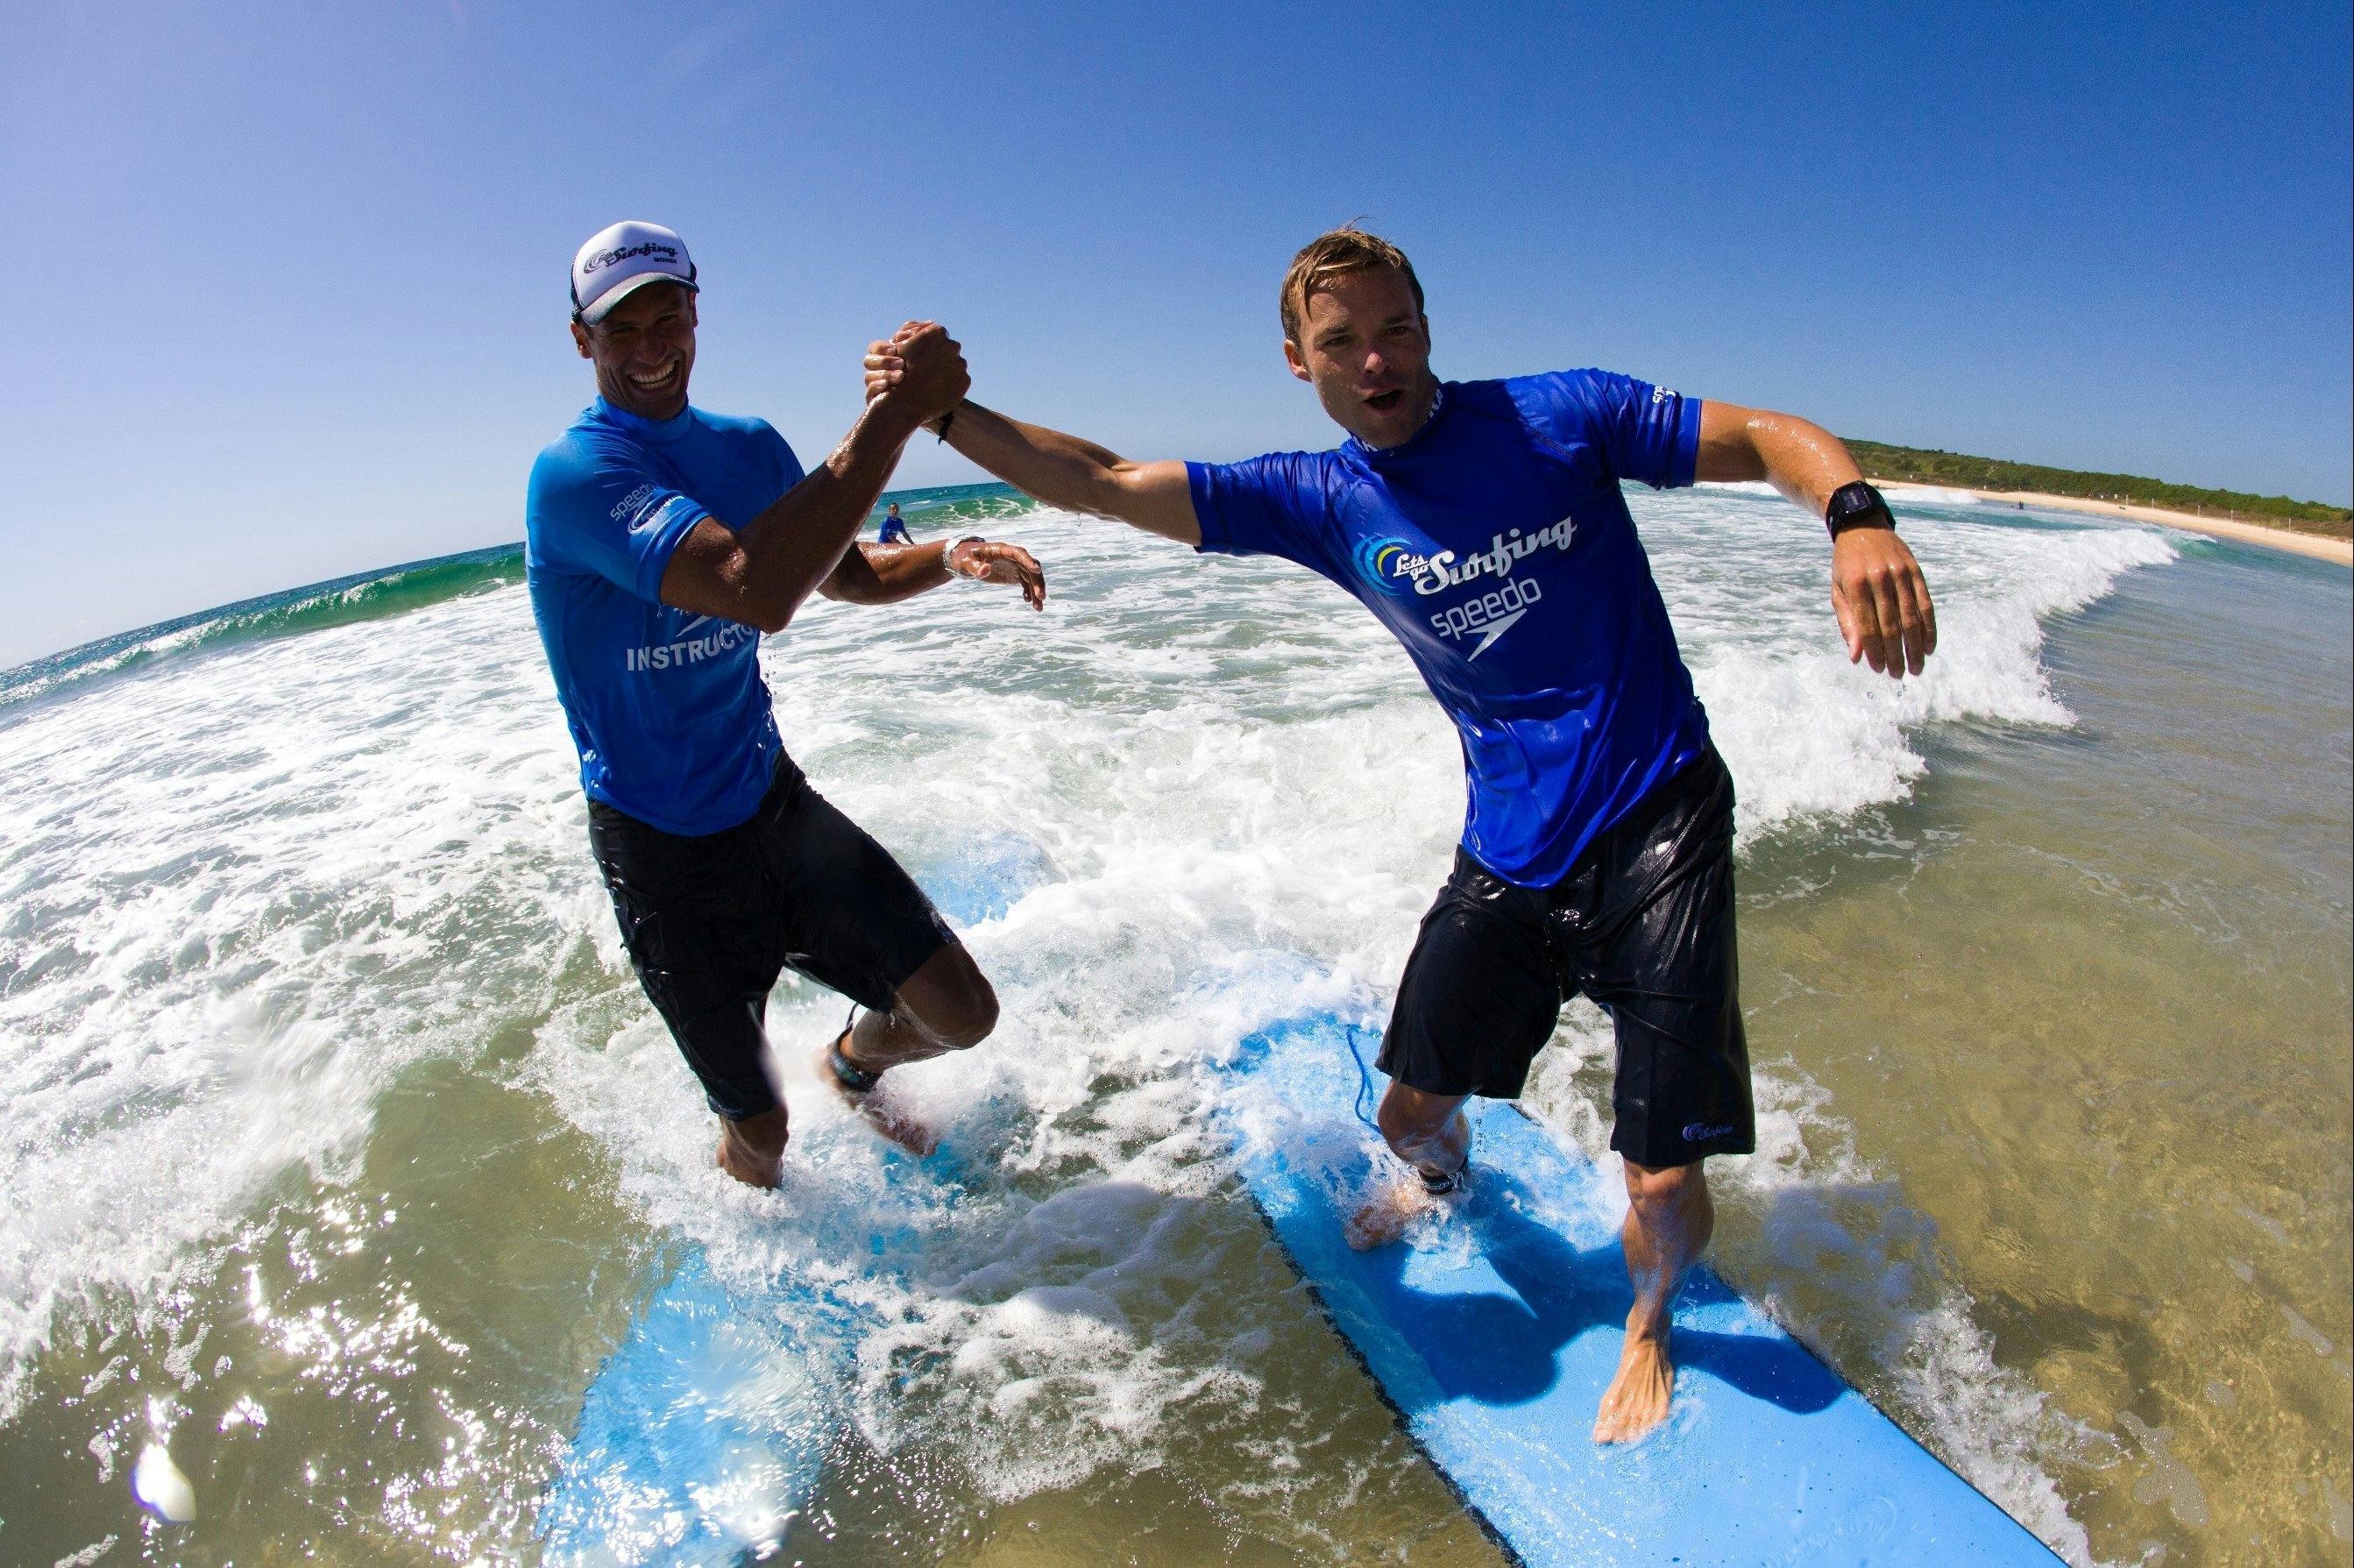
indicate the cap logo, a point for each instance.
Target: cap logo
{"x":604,"y":258}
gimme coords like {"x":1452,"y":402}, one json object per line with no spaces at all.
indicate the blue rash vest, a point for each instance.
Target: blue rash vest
{"x":1496,"y":546}
{"x":667,"y":708}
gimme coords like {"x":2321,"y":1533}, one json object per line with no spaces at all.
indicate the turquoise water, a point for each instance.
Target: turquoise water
{"x":342,"y":1151}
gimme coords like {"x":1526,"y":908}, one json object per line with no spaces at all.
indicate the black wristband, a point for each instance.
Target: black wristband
{"x":946,"y":420}
{"x":1856,"y":504}
{"x":1440,"y":1186}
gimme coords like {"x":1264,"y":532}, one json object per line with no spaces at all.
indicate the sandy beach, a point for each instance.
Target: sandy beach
{"x":2338,"y":550}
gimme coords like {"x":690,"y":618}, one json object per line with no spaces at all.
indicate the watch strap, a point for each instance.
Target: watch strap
{"x":947,"y":556}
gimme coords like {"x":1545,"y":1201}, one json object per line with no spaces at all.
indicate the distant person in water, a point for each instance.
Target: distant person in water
{"x":894,"y":528}
{"x":660,"y":542}
{"x":1481,"y":521}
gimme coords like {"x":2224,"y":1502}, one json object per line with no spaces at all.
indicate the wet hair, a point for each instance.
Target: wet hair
{"x":1344,"y":251}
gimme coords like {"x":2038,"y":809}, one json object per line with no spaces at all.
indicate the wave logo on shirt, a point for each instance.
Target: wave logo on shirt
{"x":1390,"y":565}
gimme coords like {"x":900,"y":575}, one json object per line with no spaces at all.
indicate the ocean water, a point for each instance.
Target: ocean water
{"x":341,"y":1150}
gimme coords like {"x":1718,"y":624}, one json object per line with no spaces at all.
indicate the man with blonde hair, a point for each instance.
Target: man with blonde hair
{"x":1482,"y":523}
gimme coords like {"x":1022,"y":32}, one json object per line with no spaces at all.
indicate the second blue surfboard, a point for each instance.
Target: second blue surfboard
{"x":1495,"y":1335}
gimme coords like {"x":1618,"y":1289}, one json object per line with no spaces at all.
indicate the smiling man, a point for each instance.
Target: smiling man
{"x":1482,"y":523}
{"x":661,"y":543}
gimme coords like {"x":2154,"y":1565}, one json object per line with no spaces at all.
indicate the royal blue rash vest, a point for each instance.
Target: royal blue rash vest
{"x":1496,"y":546}
{"x":668,"y":709}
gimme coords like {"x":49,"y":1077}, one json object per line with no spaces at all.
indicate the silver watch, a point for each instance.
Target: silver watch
{"x":947,"y":557}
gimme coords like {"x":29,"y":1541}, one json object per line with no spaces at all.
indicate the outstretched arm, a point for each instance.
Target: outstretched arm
{"x":885,"y":574}
{"x":759,"y":575}
{"x":1877,"y":590}
{"x":1059,"y":469}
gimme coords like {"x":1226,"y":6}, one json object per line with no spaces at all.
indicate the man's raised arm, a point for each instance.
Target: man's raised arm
{"x":1057,"y":469}
{"x":1877,"y":590}
{"x":759,"y":575}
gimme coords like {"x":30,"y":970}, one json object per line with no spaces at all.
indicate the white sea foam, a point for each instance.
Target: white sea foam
{"x":244,"y":892}
{"x":249,"y":888}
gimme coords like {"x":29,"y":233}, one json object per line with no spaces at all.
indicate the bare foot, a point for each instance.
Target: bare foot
{"x":753,"y":1150}
{"x":1385,"y":1215}
{"x":875,"y":1108}
{"x":746,"y":1167}
{"x":1636,"y":1399}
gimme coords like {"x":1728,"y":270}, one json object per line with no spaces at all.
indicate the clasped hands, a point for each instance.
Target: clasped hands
{"x":921,"y":366}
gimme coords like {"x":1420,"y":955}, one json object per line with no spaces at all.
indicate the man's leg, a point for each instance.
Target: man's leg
{"x":1669,"y":1220}
{"x":1667,"y":970}
{"x":1431,"y":1134}
{"x":861,"y":925}
{"x":945,"y":1005}
{"x":1479,"y":996}
{"x":728,"y":1049}
{"x":753,"y":1150}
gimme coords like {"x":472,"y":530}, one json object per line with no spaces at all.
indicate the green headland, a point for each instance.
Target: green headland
{"x":1967,"y":472}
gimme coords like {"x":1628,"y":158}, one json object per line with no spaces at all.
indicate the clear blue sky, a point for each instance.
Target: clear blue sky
{"x":289,"y":281}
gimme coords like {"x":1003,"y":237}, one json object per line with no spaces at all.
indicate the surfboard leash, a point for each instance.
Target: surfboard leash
{"x":1364,"y":1080}
{"x":1437,"y":1186}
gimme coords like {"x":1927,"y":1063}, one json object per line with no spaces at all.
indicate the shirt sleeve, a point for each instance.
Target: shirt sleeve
{"x":1642,"y":432}
{"x":603,"y":512}
{"x":1270,"y":505}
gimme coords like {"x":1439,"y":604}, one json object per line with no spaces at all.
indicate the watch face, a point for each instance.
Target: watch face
{"x":1853,"y":501}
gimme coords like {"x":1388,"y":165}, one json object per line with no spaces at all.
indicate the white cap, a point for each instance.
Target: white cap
{"x":618,"y":260}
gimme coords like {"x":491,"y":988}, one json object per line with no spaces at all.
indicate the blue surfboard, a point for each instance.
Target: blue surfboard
{"x":698,"y":1439}
{"x":1494,"y":1335}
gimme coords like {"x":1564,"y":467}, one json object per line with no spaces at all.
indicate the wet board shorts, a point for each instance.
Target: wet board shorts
{"x":710,"y":922}
{"x":1643,"y":924}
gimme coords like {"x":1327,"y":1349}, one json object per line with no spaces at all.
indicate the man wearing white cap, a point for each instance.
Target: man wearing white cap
{"x":660,"y":542}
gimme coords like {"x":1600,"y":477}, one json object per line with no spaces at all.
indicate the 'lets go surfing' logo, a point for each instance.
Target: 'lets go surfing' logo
{"x":1394,"y":567}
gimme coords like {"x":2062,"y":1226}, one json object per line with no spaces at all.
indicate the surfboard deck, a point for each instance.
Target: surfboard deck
{"x":1493,"y":1334}
{"x":698,"y":1439}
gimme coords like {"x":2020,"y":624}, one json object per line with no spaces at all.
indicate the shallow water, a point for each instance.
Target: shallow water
{"x":341,"y":1149}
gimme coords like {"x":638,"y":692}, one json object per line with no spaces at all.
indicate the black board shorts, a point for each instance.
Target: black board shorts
{"x":711,"y":922}
{"x":1642,"y":924}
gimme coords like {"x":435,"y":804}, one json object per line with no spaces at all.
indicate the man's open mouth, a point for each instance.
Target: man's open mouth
{"x":1384,"y":402}
{"x":654,"y":383}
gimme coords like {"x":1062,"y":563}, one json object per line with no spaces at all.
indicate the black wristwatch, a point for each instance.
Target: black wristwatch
{"x":1857,"y":506}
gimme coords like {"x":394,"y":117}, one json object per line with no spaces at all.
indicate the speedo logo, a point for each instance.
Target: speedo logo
{"x":1394,"y":567}
{"x":632,"y":501}
{"x":1491,"y":614}
{"x":1701,"y":1132}
{"x":682,"y":649}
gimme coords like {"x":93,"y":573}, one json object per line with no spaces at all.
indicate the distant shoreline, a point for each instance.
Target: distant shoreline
{"x":2338,"y":550}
